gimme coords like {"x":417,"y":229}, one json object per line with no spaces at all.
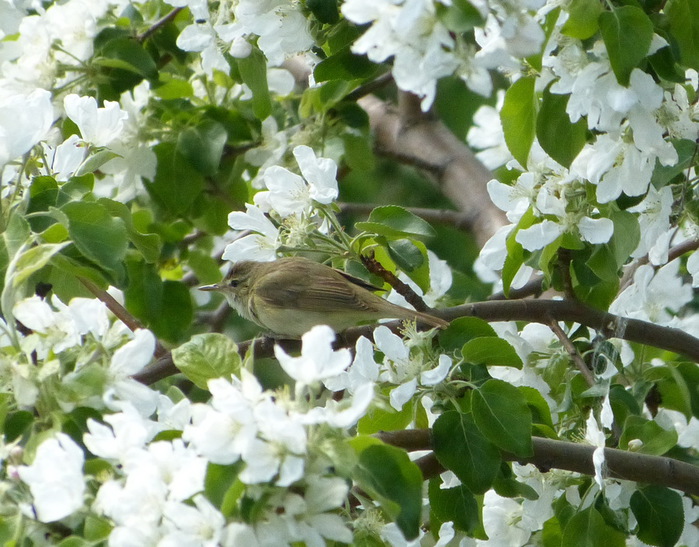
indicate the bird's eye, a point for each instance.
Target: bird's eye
{"x":234,"y":283}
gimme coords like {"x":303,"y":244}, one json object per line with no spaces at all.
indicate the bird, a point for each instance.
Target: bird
{"x":289,"y":296}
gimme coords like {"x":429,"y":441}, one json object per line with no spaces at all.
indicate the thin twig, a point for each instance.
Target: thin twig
{"x":573,"y":352}
{"x":119,"y":311}
{"x":370,"y":87}
{"x":158,"y":24}
{"x":375,"y":267}
{"x":533,"y":287}
{"x":675,"y":252}
{"x":564,"y":260}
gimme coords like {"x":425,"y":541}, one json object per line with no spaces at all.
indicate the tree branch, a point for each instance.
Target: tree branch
{"x":553,"y":454}
{"x":537,"y":311}
{"x":416,"y":139}
{"x":573,"y":352}
{"x":375,"y":267}
{"x":120,"y":312}
{"x":158,"y":24}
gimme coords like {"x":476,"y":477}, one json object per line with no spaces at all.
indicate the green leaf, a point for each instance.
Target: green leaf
{"x":459,"y":16}
{"x":518,"y":117}
{"x":344,"y":65}
{"x":359,"y":154}
{"x":202,"y":146}
{"x":97,"y":234}
{"x":32,"y":260}
{"x":127,"y":54}
{"x":149,"y":245}
{"x":253,"y":70}
{"x":95,"y":161}
{"x":43,"y":194}
{"x":97,"y":529}
{"x":509,"y":487}
{"x":686,"y":153}
{"x":689,"y":373}
{"x":219,"y":481}
{"x":583,"y":18}
{"x":379,"y":419}
{"x":405,"y":254}
{"x":490,"y":350}
{"x":560,"y":138}
{"x":463,"y":329}
{"x":16,"y":234}
{"x":461,"y":447}
{"x":207,"y":356}
{"x":457,"y":505}
{"x":541,"y":413}
{"x":388,"y":475}
{"x":324,"y":10}
{"x":656,"y":440}
{"x":501,"y":413}
{"x":144,"y":293}
{"x":684,"y":27}
{"x":627,"y":235}
{"x":177,"y":183}
{"x":627,"y":32}
{"x":394,"y":222}
{"x":588,"y":529}
{"x":172,"y":87}
{"x":177,"y":312}
{"x":659,"y":513}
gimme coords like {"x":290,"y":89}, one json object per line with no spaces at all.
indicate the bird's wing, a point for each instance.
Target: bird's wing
{"x":321,"y":292}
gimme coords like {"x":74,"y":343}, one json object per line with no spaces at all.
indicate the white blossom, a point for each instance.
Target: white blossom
{"x":98,"y":125}
{"x":259,"y":246}
{"x":318,"y":360}
{"x":55,"y":478}
{"x":24,"y":121}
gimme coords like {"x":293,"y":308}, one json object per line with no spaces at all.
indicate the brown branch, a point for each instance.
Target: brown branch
{"x":420,"y":140}
{"x":573,"y":352}
{"x":607,"y":324}
{"x":675,"y":252}
{"x":119,"y":311}
{"x":537,"y":311}
{"x":533,"y":287}
{"x":553,"y":454}
{"x":370,"y":87}
{"x":158,"y":24}
{"x":375,"y":267}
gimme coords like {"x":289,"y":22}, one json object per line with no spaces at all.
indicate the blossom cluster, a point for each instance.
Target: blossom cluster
{"x":634,"y":129}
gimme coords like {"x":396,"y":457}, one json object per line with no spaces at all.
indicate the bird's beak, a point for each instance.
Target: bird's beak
{"x":214,"y":287}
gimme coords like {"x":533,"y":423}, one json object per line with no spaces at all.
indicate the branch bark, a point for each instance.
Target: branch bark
{"x":553,"y":454}
{"x":411,"y":137}
{"x":537,"y":311}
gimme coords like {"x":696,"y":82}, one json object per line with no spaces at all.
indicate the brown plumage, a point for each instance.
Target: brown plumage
{"x":291,"y":295}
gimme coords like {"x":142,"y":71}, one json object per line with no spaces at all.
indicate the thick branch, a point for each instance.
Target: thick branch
{"x":607,"y":324}
{"x":552,"y":454}
{"x":420,"y":140}
{"x":537,"y":311}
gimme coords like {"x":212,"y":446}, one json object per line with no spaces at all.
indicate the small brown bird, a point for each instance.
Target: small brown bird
{"x":291,"y":295}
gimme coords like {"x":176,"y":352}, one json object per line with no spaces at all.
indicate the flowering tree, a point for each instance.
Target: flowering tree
{"x":146,"y":145}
